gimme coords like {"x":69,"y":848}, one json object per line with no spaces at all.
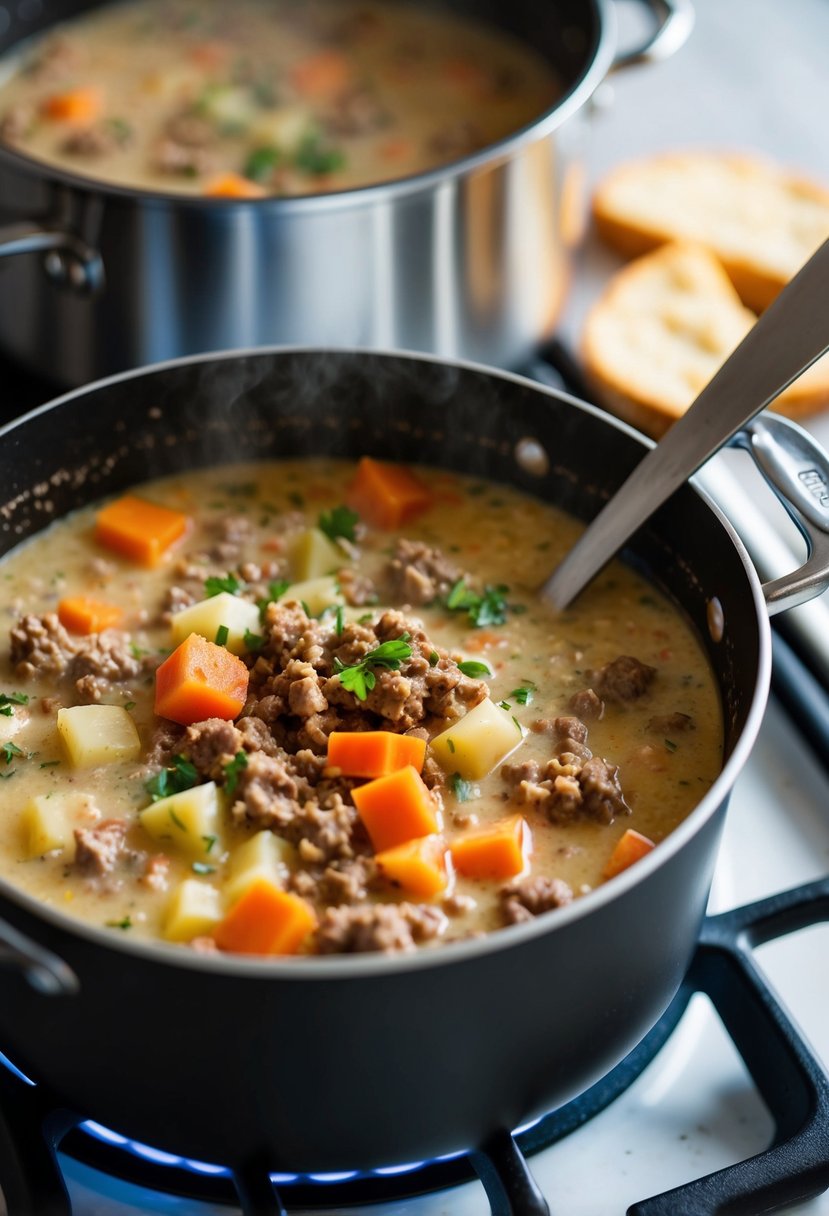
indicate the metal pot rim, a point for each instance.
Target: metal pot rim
{"x":594,"y":71}
{"x":356,"y":966}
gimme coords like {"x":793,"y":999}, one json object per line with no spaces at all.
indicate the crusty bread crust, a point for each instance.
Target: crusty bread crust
{"x":762,"y":221}
{"x":662,"y":327}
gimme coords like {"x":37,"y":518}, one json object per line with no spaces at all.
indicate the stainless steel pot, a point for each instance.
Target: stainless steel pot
{"x":471,"y":259}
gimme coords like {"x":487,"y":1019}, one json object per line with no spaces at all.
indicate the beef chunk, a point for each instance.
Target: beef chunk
{"x":103,"y":659}
{"x":623,"y":679}
{"x":671,"y":724}
{"x":568,"y":787}
{"x":269,"y":792}
{"x":569,"y":735}
{"x":98,"y":850}
{"x":211,"y":745}
{"x":523,"y":898}
{"x":587,"y":704}
{"x":420,"y":574}
{"x":601,"y":792}
{"x":356,"y":588}
{"x":40,"y":646}
{"x":389,"y":928}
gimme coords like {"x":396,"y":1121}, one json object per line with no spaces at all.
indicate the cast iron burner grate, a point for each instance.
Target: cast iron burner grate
{"x":787,"y":1075}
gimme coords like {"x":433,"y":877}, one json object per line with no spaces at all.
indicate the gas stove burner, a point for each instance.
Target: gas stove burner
{"x":787,"y":1075}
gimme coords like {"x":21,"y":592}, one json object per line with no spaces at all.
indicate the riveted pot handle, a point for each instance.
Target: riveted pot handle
{"x":797,"y":469}
{"x":41,"y":969}
{"x":68,"y":260}
{"x":674,"y":21}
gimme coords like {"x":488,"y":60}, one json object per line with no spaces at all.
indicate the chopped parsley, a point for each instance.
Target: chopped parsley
{"x":524,"y":694}
{"x":253,"y":641}
{"x":10,"y":751}
{"x":275,"y":592}
{"x":124,"y":923}
{"x":233,"y":769}
{"x":341,"y":521}
{"x":261,"y":163}
{"x":209,"y":842}
{"x":360,"y":679}
{"x":130,"y":705}
{"x":473,"y":669}
{"x":450,"y":743}
{"x":222,"y":634}
{"x":434,"y":658}
{"x":505,"y":705}
{"x":314,"y":157}
{"x":339,"y":620}
{"x":49,"y":763}
{"x":463,"y":790}
{"x":182,"y":827}
{"x":671,"y":746}
{"x":9,"y":699}
{"x":490,"y":608}
{"x":201,"y":867}
{"x":216,"y":584}
{"x":180,"y":775}
{"x":137,"y":651}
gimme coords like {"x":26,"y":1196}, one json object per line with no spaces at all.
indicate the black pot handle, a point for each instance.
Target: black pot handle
{"x":41,"y":969}
{"x":674,"y":20}
{"x":68,"y":260}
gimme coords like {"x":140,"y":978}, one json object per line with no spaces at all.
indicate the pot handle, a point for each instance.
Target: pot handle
{"x":674,"y":21}
{"x":797,"y":469}
{"x":68,"y":260}
{"x":41,"y":969}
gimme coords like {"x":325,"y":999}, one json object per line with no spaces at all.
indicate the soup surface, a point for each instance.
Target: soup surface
{"x":266,"y":721}
{"x":267,"y":96}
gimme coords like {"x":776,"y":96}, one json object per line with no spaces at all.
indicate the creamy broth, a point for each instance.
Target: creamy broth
{"x":267,"y":96}
{"x":247,"y":526}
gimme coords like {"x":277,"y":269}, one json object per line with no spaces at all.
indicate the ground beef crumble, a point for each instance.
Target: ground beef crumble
{"x":387,"y":928}
{"x":40,"y":646}
{"x":524,"y":898}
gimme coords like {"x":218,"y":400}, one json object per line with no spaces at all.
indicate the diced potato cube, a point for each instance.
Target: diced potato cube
{"x":98,"y":734}
{"x":263,"y":856}
{"x":316,"y":593}
{"x":208,"y":616}
{"x":188,"y":821}
{"x":479,"y":741}
{"x":283,"y":127}
{"x":46,"y":825}
{"x":195,"y":908}
{"x":313,"y":555}
{"x":228,"y":106}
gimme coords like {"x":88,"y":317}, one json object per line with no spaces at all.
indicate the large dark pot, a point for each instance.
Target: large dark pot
{"x":335,"y":1063}
{"x":472,"y":259}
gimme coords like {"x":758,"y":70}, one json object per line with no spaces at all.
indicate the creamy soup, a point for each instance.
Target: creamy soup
{"x":265,"y":97}
{"x":305,"y":708}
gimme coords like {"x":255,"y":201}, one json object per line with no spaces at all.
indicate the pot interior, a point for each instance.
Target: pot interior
{"x":211,"y":411}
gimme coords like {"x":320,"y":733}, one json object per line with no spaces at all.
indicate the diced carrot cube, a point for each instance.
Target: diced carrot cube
{"x":75,"y":105}
{"x":387,"y":495}
{"x":139,"y":529}
{"x":233,"y":185}
{"x":499,"y":851}
{"x":396,"y":808}
{"x":630,"y":847}
{"x":79,"y":614}
{"x":266,"y":920}
{"x":200,"y":680}
{"x":418,"y":866}
{"x":322,"y":75}
{"x":373,"y":753}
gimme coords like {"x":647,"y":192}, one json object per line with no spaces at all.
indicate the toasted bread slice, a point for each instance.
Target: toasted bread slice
{"x":761,"y":221}
{"x":663,"y":326}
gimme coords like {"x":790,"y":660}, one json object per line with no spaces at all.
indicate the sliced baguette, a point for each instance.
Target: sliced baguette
{"x":761,"y":221}
{"x":663,"y":326}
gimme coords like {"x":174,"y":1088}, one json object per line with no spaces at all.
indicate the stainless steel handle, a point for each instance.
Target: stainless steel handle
{"x":68,"y":260}
{"x":797,"y":469}
{"x":674,"y":22}
{"x":41,"y":969}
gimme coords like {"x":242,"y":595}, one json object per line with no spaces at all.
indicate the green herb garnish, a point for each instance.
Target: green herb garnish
{"x":669,"y":743}
{"x":473,"y":669}
{"x":314,"y":157}
{"x":209,"y":842}
{"x":463,"y":790}
{"x":216,"y":584}
{"x":182,"y":827}
{"x":49,"y":763}
{"x":360,"y":679}
{"x":490,"y":608}
{"x":261,"y":163}
{"x":450,"y":743}
{"x":524,"y":694}
{"x":341,"y":521}
{"x":130,"y":705}
{"x":201,"y":867}
{"x":10,"y":750}
{"x":434,"y":658}
{"x":339,"y":620}
{"x":10,"y":699}
{"x":180,"y":775}
{"x":253,"y":641}
{"x":222,"y":634}
{"x":124,"y":923}
{"x":233,"y":769}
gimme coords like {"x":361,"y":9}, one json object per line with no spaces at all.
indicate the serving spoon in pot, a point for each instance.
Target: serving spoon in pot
{"x":790,"y":335}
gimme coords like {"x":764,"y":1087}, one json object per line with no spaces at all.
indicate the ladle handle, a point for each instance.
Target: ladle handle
{"x":790,"y":335}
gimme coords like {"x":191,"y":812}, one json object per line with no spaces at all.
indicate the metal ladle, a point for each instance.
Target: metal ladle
{"x":790,"y":335}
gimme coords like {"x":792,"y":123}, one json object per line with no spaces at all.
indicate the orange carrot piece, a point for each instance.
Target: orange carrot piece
{"x":396,"y":808}
{"x":233,"y":185}
{"x":374,"y":753}
{"x":322,"y":75}
{"x":80,"y":614}
{"x":418,"y":866}
{"x":139,"y":529}
{"x":387,"y":495}
{"x":265,"y":920}
{"x":75,"y":105}
{"x":498,"y":851}
{"x":630,"y":847}
{"x":208,"y":54}
{"x":200,"y":680}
